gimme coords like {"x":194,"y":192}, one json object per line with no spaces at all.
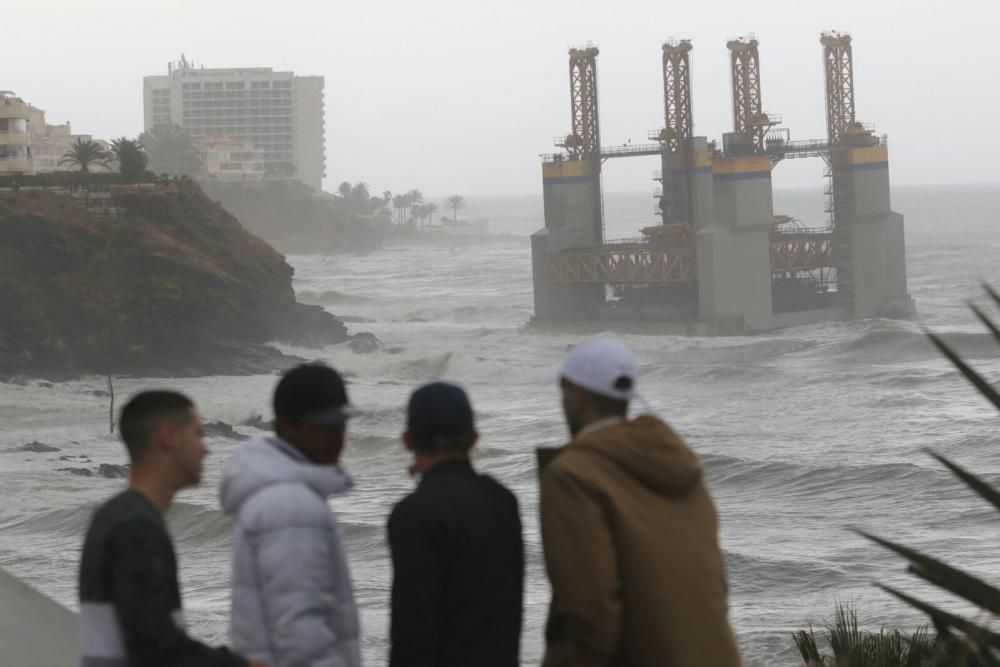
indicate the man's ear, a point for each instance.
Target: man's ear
{"x":161,"y":438}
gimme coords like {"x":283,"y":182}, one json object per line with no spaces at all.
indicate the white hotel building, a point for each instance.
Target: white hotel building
{"x":279,"y":113}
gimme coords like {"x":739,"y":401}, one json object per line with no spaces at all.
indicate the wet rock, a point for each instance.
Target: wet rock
{"x":364,"y":343}
{"x":82,"y":472}
{"x":46,"y":385}
{"x":112,"y":471}
{"x":100,"y":393}
{"x":222,"y":430}
{"x":35,"y":448}
{"x":258,"y":422}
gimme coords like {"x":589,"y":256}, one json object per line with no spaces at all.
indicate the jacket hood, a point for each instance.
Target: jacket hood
{"x":269,"y":460}
{"x":648,"y":450}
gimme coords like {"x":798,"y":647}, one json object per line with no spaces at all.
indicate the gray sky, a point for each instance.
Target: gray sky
{"x":461,"y":96}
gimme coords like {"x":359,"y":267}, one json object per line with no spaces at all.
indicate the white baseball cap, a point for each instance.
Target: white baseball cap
{"x":603,"y":365}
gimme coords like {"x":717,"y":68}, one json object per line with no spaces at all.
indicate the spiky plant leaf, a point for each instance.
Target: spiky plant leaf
{"x":992,"y":292}
{"x":986,"y":491}
{"x":943,"y":575}
{"x":943,"y":619}
{"x":984,"y":387}
{"x":987,"y":321}
{"x":805,"y":642}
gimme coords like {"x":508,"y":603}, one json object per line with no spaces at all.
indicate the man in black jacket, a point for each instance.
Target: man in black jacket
{"x":130,"y":602}
{"x":457,"y":551}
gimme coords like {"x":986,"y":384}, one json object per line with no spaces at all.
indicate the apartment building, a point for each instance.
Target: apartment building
{"x":279,"y":113}
{"x":15,"y":138}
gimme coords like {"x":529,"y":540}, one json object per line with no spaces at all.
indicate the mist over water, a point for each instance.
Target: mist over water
{"x":803,"y":432}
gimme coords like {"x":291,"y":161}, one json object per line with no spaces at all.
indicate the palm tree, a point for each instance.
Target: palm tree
{"x":431,"y":208}
{"x":361,"y":191}
{"x":399,"y":203}
{"x":414,"y":197}
{"x":84,"y":152}
{"x":131,"y":157}
{"x":456,"y":202}
{"x":172,"y":151}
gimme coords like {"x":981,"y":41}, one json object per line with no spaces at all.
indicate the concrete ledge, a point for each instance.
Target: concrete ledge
{"x":35,"y":631}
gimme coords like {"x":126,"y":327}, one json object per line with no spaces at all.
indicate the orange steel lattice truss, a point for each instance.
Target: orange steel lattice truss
{"x":678,"y":124}
{"x":838,"y":66}
{"x":638,"y":265}
{"x":585,"y":138}
{"x":801,"y":251}
{"x":749,"y":118}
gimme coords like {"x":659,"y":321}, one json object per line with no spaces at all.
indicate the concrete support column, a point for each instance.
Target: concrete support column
{"x":734,"y":248}
{"x":878,"y":244}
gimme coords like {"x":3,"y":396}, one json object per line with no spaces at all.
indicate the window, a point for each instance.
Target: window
{"x":258,"y":85}
{"x":13,"y":152}
{"x":13,"y":126}
{"x":234,"y":85}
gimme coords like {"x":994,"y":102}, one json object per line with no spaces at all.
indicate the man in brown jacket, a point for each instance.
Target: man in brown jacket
{"x":630,"y":531}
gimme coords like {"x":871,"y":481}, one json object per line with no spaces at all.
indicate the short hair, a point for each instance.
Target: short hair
{"x":607,"y":406}
{"x":459,"y":443}
{"x":144,"y":412}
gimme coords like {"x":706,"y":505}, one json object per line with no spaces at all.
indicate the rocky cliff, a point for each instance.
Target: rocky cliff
{"x":165,"y":281}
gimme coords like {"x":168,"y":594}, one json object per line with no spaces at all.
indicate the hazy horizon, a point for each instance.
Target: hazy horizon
{"x":463,"y":97}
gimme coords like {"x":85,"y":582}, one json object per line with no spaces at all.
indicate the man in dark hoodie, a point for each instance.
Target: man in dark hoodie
{"x":630,"y":531}
{"x":457,"y":553}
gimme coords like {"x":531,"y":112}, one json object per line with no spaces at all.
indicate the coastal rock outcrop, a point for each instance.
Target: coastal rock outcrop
{"x":162,"y":280}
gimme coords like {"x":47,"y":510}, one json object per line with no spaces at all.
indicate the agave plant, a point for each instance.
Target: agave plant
{"x":853,"y":647}
{"x":960,"y":641}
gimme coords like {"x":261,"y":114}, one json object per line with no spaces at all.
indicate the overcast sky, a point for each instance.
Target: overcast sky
{"x":463,"y":96}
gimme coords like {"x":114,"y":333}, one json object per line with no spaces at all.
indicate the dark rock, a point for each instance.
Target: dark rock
{"x":82,"y":472}
{"x":364,"y":343}
{"x":258,"y":422}
{"x":112,"y":471}
{"x":222,"y":430}
{"x":100,"y":393}
{"x":46,"y":385}
{"x":35,"y":448}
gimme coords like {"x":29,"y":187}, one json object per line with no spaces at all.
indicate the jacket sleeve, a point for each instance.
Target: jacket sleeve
{"x":417,"y":585}
{"x":584,"y":623}
{"x":296,"y":565}
{"x":144,"y":595}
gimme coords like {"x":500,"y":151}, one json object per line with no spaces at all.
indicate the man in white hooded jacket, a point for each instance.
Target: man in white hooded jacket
{"x":292,"y":603}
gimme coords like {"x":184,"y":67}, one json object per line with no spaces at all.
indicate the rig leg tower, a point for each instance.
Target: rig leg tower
{"x":571,"y":185}
{"x":869,"y":247}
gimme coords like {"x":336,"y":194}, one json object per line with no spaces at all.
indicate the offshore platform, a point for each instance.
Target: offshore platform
{"x":720,"y":261}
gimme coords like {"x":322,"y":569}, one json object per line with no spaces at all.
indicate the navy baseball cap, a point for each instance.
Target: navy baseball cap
{"x":439,"y":409}
{"x":314,"y":394}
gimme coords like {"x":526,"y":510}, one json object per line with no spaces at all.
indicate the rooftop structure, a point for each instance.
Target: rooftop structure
{"x":280,"y":113}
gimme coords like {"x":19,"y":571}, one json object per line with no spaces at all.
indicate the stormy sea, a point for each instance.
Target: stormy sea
{"x":804,"y":432}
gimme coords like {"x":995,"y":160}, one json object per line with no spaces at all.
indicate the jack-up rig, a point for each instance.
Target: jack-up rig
{"x":720,"y":261}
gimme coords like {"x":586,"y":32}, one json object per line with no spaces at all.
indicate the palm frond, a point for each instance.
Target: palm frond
{"x":984,"y":387}
{"x":986,"y":491}
{"x":943,"y":619}
{"x":955,"y":581}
